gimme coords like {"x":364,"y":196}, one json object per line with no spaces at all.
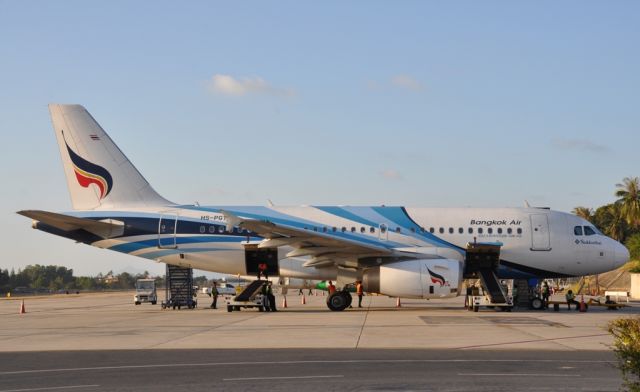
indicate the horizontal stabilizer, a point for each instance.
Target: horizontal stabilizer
{"x":107,"y":228}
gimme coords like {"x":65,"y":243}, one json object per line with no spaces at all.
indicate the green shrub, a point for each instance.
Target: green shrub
{"x":626,"y":334}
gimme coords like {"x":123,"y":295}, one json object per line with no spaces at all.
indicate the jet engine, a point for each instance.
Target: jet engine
{"x":428,"y":278}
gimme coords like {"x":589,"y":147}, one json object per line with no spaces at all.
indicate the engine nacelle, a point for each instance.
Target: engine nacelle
{"x":429,"y":278}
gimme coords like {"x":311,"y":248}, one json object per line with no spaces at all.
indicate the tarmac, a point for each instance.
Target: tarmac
{"x":110,"y":321}
{"x":104,"y":342}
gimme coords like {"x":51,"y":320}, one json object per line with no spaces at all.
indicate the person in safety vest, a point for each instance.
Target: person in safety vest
{"x":359,"y":292}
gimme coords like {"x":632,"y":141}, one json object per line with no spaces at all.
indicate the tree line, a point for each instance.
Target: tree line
{"x":52,"y":278}
{"x":619,"y":220}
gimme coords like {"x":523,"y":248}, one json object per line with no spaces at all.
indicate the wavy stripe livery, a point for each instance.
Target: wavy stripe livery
{"x":436,"y":278}
{"x":88,"y":173}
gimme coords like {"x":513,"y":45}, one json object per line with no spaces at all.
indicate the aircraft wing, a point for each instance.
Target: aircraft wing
{"x":324,"y":249}
{"x":105,"y":228}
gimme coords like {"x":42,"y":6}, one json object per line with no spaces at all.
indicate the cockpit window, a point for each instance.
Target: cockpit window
{"x":577,"y":230}
{"x":588,"y":230}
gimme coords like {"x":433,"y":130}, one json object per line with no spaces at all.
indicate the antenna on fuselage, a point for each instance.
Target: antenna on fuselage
{"x":526,"y":204}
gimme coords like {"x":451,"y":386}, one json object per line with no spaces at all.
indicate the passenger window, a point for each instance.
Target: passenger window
{"x":362,"y":229}
{"x":509,"y":230}
{"x":422,"y":230}
{"x":499,"y":230}
{"x":344,"y":229}
{"x":577,"y":230}
{"x":519,"y":230}
{"x":589,"y":231}
{"x":220,"y":229}
{"x":479,"y":230}
{"x":373,"y":230}
{"x":202,"y":229}
{"x":324,"y":229}
{"x":334,"y":229}
{"x":460,"y":230}
{"x":432,"y":230}
{"x":441,"y":230}
{"x":398,"y":230}
{"x":353,"y":229}
{"x":413,"y":229}
{"x":470,"y":230}
{"x":383,"y":229}
{"x":315,"y":228}
{"x":212,"y":229}
{"x":451,"y":230}
{"x":490,"y":230}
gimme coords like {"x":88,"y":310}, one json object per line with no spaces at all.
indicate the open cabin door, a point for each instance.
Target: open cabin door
{"x":167,"y":230}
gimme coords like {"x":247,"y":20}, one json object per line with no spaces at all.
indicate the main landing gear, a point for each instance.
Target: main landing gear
{"x":339,"y":300}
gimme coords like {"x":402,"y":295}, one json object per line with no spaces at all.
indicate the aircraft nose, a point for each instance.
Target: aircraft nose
{"x":621,"y":254}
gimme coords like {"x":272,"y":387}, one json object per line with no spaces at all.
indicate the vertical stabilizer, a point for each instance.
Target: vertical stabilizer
{"x":99,"y":176}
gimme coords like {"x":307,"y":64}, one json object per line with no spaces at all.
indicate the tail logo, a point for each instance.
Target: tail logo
{"x":88,"y":173}
{"x":436,"y":278}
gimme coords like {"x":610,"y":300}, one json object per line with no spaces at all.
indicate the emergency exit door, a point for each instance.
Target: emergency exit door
{"x":540,"y":236}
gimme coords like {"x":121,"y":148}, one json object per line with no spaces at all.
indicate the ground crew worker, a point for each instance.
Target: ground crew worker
{"x":214,"y":295}
{"x":331,"y":288}
{"x":571,"y":299}
{"x":359,"y":292}
{"x":265,"y":298}
{"x":545,"y":296}
{"x":514,"y":294}
{"x":272,"y":298}
{"x":262,"y":270}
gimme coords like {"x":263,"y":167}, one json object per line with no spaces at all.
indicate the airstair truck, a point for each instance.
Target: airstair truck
{"x":145,"y":292}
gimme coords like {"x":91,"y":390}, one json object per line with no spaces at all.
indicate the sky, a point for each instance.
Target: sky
{"x":417,"y":103}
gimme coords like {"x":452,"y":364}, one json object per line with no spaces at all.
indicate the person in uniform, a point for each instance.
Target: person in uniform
{"x":331,"y":288}
{"x":214,"y":296}
{"x":272,"y":298}
{"x":359,"y":292}
{"x":262,"y":270}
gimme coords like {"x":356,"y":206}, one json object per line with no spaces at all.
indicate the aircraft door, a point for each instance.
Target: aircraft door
{"x":167,"y":229}
{"x":540,"y":238}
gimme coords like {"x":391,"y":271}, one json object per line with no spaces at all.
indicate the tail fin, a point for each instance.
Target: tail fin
{"x":98,"y":174}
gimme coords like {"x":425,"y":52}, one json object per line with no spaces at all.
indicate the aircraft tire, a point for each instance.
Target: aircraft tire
{"x":337,"y":302}
{"x":229,"y":308}
{"x":536,"y":304}
{"x":476,"y":308}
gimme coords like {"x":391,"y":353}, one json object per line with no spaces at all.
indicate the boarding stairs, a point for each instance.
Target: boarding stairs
{"x":179,"y":287}
{"x":250,"y":291}
{"x":482,"y":261}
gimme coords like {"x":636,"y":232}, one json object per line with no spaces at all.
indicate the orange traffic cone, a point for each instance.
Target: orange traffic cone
{"x":583,"y":307}
{"x":22,"y":309}
{"x":303,"y":301}
{"x":284,"y":301}
{"x":398,"y":305}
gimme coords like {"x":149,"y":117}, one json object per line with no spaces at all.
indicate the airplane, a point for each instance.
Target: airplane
{"x":398,"y":251}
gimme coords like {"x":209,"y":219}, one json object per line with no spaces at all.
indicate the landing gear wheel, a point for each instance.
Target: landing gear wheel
{"x":229,"y":308}
{"x":153,"y":302}
{"x":536,"y":304}
{"x":476,"y":308}
{"x":338,"y":301}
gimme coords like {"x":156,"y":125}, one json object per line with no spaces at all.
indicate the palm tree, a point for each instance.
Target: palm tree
{"x":583,"y":212}
{"x":615,"y":225}
{"x":628,"y":194}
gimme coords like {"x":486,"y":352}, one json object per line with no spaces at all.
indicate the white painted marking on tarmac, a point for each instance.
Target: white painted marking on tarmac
{"x":344,"y":361}
{"x":50,"y":388}
{"x":519,"y":375}
{"x":280,"y":378}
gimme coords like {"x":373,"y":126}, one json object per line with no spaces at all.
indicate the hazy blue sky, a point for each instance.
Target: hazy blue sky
{"x":410,"y":103}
